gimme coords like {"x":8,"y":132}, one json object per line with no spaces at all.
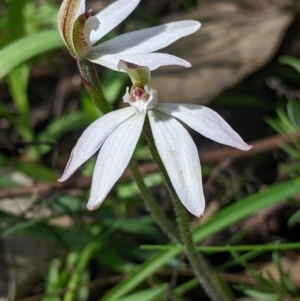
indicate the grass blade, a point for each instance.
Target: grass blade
{"x":27,"y":47}
{"x":226,"y":217}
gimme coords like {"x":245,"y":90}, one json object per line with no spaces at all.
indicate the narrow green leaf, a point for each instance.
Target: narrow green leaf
{"x":18,"y":81}
{"x":220,"y":249}
{"x":242,"y":209}
{"x":151,"y":294}
{"x":186,"y":287}
{"x":293,"y":110}
{"x":259,"y":295}
{"x":21,"y":226}
{"x":59,"y":127}
{"x":226,"y":217}
{"x":294,"y":219}
{"x":37,"y":171}
{"x":291,"y":61}
{"x":129,"y":190}
{"x":84,"y":258}
{"x":52,"y":280}
{"x":27,"y":47}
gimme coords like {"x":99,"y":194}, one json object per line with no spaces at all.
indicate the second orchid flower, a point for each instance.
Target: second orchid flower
{"x":81,"y":31}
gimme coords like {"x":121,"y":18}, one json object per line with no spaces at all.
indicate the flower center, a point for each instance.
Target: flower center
{"x":138,"y":93}
{"x":142,"y":96}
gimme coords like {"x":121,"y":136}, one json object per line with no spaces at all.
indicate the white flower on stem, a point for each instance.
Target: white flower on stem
{"x":116,"y":135}
{"x":80,"y":31}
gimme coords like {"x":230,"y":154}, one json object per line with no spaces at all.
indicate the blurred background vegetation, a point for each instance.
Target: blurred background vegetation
{"x":52,"y":249}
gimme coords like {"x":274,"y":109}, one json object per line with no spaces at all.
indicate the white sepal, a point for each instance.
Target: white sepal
{"x":206,"y":122}
{"x":180,"y":158}
{"x":151,"y":60}
{"x":113,"y":158}
{"x":92,"y":139}
{"x":149,"y":39}
{"x":112,"y":16}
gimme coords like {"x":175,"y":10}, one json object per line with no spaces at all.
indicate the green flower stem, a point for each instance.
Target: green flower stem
{"x":92,"y":85}
{"x":243,"y":248}
{"x":157,"y":214}
{"x":197,"y":261}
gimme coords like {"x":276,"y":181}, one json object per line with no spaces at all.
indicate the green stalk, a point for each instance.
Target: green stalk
{"x":92,"y":85}
{"x":157,"y":214}
{"x":243,"y":248}
{"x":197,"y":261}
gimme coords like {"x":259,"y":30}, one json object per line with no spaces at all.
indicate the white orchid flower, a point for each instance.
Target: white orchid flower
{"x":116,"y":135}
{"x":80,"y":31}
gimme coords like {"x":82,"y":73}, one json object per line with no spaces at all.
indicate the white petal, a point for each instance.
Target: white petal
{"x":91,"y":24}
{"x":113,"y":158}
{"x":206,"y":122}
{"x":180,"y":157}
{"x":92,"y":139}
{"x":112,"y":16}
{"x":151,"y":60}
{"x":148,"y":40}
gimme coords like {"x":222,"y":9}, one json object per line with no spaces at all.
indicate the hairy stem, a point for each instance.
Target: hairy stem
{"x":92,"y":85}
{"x":157,"y":214}
{"x":198,"y":262}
